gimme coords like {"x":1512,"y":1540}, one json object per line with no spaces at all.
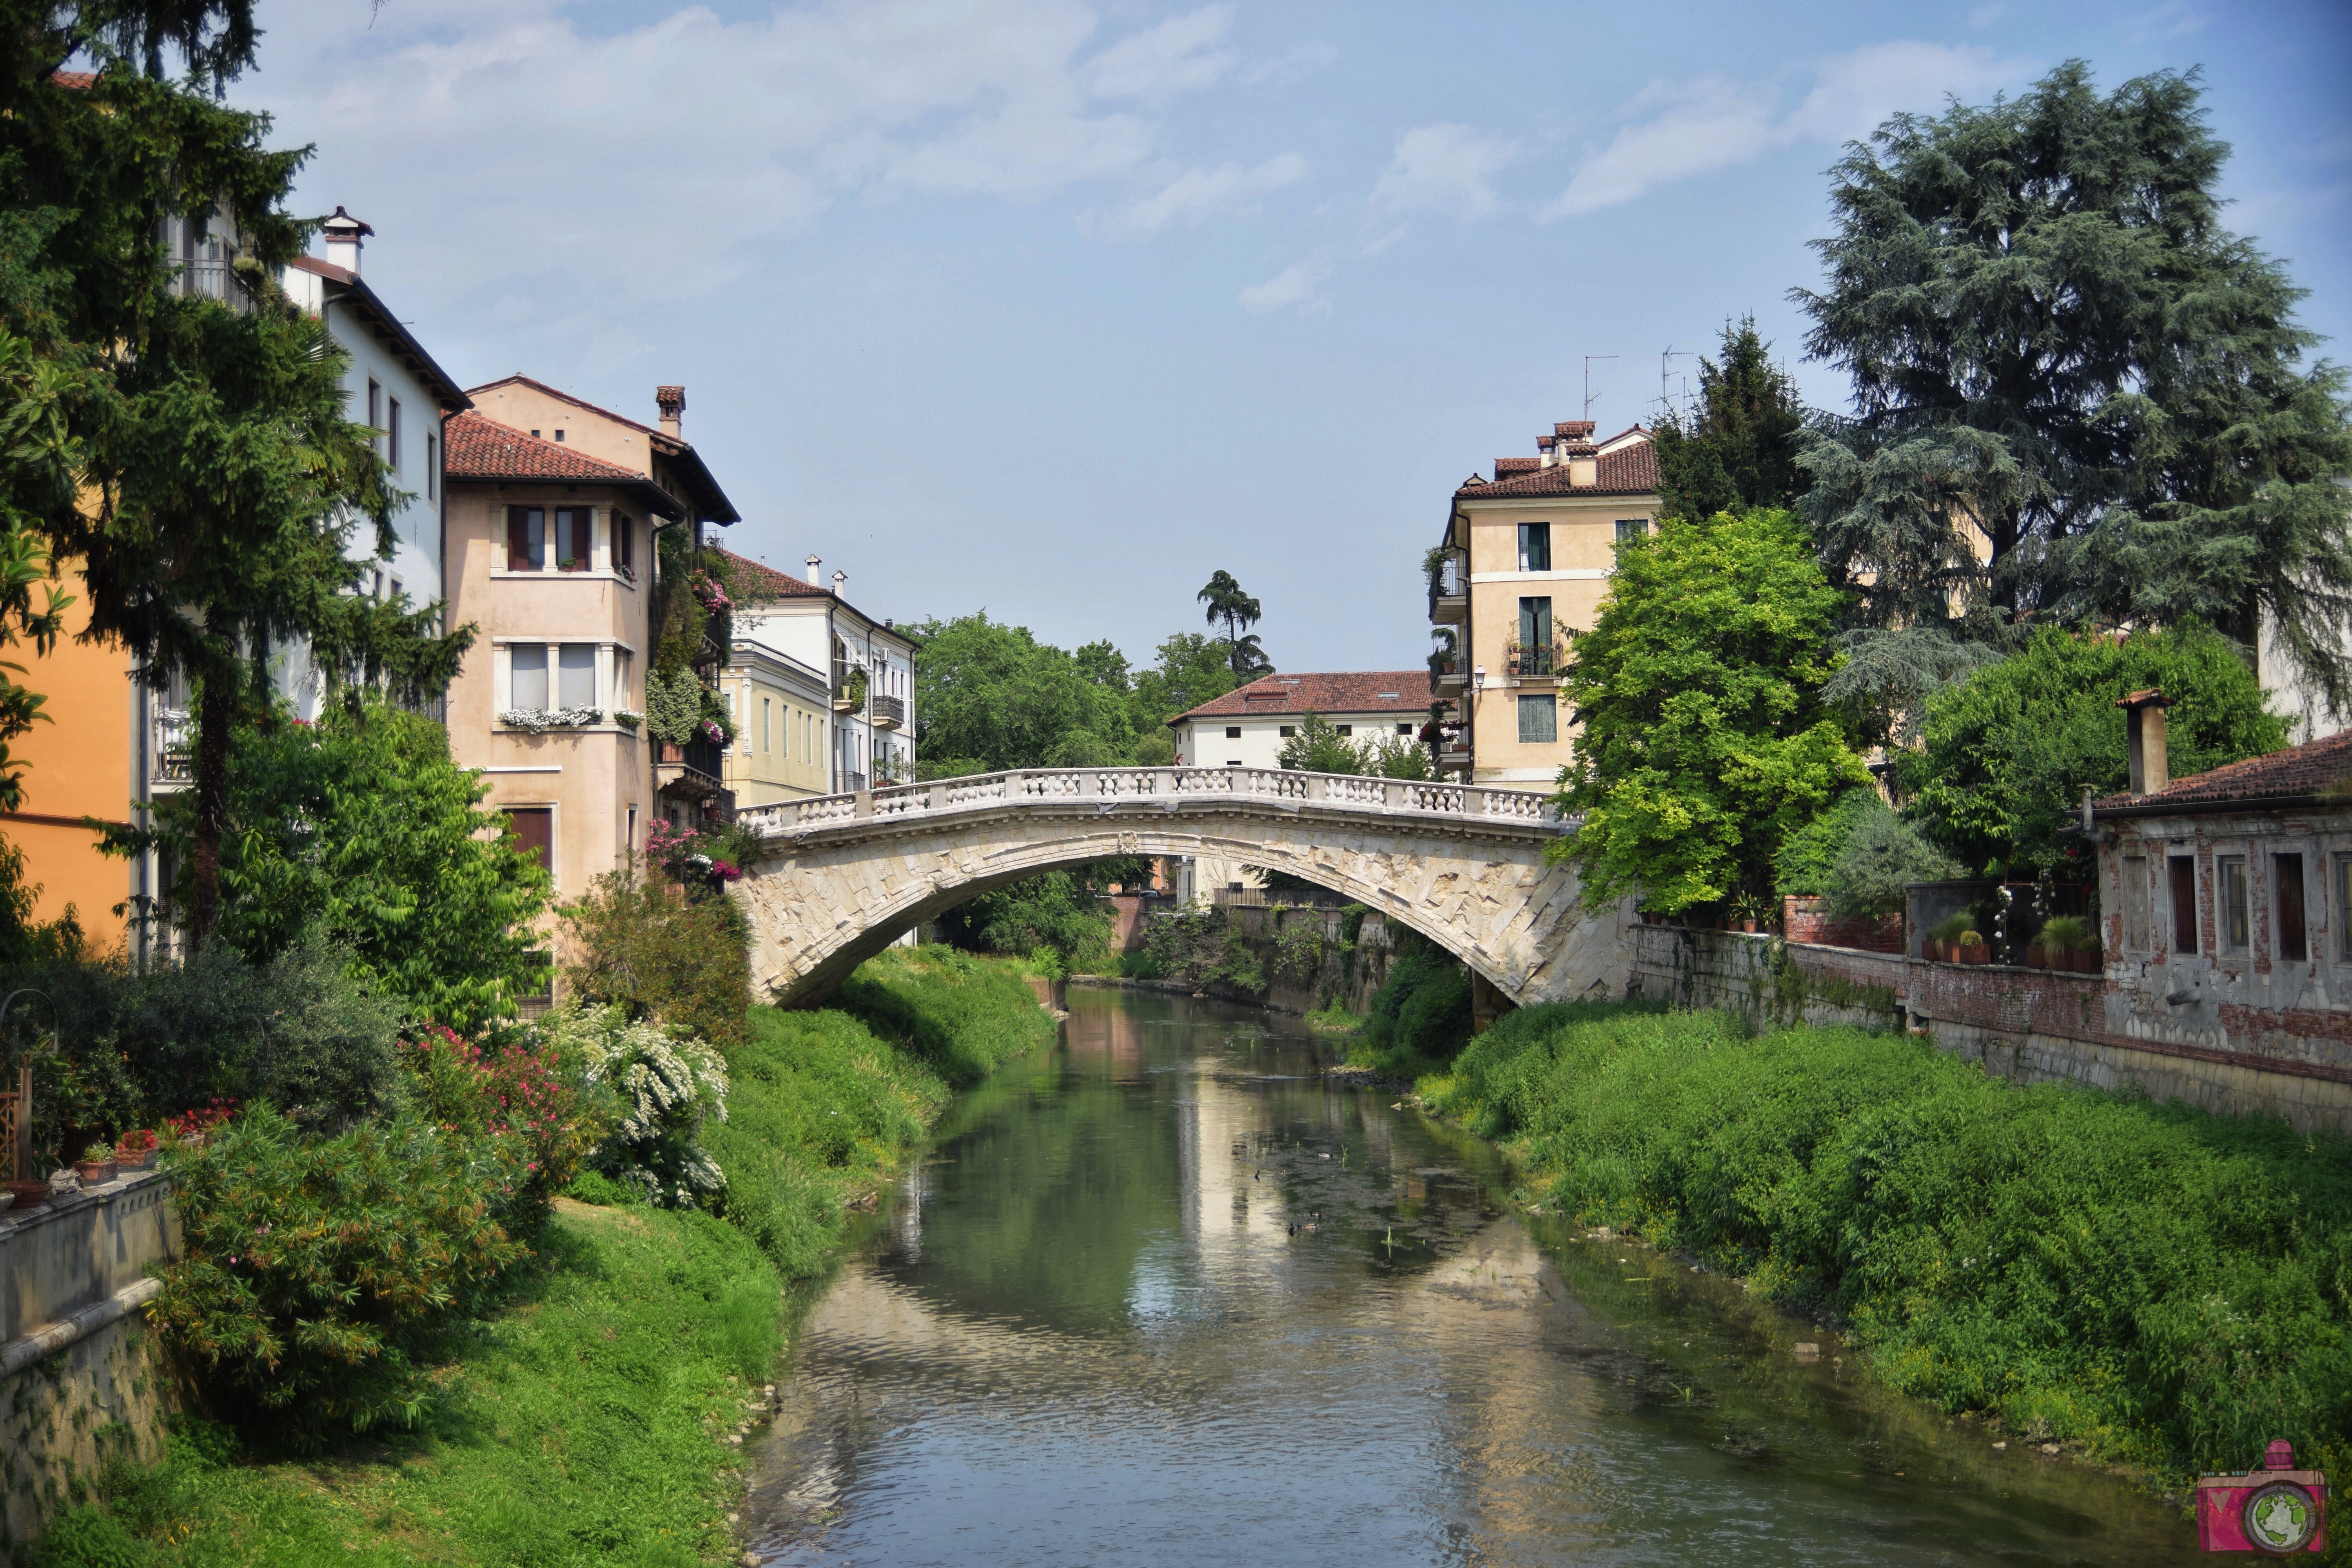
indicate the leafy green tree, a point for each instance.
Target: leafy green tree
{"x":1237,"y":612}
{"x":659,"y":948}
{"x":1056,"y":912}
{"x":2008,"y":754}
{"x":1705,"y":739}
{"x":360,"y":831}
{"x":1737,"y":449}
{"x":990,"y":697}
{"x":1189,"y":670}
{"x":1881,"y":854}
{"x":2077,"y":396}
{"x":1316,"y":747}
{"x":225,"y":486}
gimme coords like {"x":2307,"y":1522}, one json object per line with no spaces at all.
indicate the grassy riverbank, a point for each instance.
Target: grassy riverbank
{"x":2148,"y":1283}
{"x":586,"y":1421}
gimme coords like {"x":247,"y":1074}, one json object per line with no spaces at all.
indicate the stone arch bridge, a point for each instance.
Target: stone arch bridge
{"x":841,"y":877}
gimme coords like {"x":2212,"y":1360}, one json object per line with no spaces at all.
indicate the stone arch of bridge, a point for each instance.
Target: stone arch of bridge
{"x":1488,"y":896}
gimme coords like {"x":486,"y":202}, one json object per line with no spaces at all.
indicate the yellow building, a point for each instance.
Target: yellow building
{"x":1524,"y":561}
{"x":783,"y":705}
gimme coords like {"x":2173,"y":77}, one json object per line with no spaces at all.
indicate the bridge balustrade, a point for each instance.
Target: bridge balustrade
{"x":980,"y":792}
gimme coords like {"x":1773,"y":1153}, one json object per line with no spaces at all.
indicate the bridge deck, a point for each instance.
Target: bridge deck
{"x":1172,"y":788}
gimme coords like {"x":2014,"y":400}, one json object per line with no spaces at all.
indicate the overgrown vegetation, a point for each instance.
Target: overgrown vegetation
{"x":2147,"y":1281}
{"x":1420,"y":1017}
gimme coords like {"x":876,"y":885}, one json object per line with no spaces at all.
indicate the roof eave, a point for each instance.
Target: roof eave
{"x":439,"y":382}
{"x":2210,"y":807}
{"x":658,"y":501}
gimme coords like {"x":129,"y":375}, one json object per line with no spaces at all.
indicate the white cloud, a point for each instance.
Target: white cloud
{"x":1445,"y":169}
{"x":1193,"y":197}
{"x":1713,"y":123}
{"x":1299,"y":284}
{"x":512,"y":154}
{"x":1180,"y":55}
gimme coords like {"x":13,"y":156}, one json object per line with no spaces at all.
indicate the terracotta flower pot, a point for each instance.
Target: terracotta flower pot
{"x":95,"y":1173}
{"x":2088,"y":962}
{"x":28,"y":1194}
{"x":1747,"y":926}
{"x":1976,"y":953}
{"x":2037,"y":957}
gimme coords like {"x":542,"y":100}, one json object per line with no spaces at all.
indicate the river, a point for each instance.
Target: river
{"x":1163,"y":1295}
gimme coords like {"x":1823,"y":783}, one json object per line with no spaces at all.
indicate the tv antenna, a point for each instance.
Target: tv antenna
{"x":1587,"y":381}
{"x":1665,"y":400}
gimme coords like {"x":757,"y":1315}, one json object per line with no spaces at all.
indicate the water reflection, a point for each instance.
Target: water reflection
{"x":1164,"y":1297}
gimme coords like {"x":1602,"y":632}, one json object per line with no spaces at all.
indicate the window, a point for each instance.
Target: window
{"x":559,"y":435}
{"x":1344,"y":729}
{"x":1539,"y":720}
{"x":1535,"y":547}
{"x":2343,"y":910}
{"x":2286,"y":873}
{"x":375,"y":411}
{"x":625,"y":544}
{"x":1232,"y":761}
{"x":526,"y":539}
{"x":573,"y":533}
{"x":2183,"y":870}
{"x":1288,"y":731}
{"x":1632,"y":528}
{"x":765,"y":707}
{"x":377,"y":591}
{"x":2237,"y":930}
{"x":399,"y":591}
{"x":1535,"y":637}
{"x":392,"y":436}
{"x":2137,"y":936}
{"x":576,"y":669}
{"x":623,"y":677}
{"x":1232,"y":731}
{"x":1404,"y":729}
{"x":527,"y":688}
{"x":432,"y":468}
{"x":534,"y":831}
{"x":631,"y":841}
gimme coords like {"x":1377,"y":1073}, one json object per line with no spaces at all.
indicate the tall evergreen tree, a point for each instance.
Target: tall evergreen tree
{"x":224,"y":486}
{"x":1737,"y":449}
{"x":2077,"y":396}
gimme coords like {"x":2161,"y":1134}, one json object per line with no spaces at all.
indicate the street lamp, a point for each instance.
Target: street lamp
{"x":1470,"y":730}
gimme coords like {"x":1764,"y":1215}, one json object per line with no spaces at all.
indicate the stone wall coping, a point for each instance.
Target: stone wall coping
{"x":46,"y":1340}
{"x":15,"y":1221}
{"x":76,"y":1251}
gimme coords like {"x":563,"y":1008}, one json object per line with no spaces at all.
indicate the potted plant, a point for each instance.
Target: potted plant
{"x":1943,"y":937}
{"x":1753,"y":910}
{"x":96,"y":1167}
{"x":136,"y":1150}
{"x":2089,"y":959}
{"x":2061,"y":935}
{"x":1973,"y":947}
{"x":25,"y":1194}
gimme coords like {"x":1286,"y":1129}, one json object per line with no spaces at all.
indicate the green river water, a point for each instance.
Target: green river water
{"x":1085,"y":1331}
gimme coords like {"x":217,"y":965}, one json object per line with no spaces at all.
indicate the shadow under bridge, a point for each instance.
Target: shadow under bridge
{"x":841,"y":877}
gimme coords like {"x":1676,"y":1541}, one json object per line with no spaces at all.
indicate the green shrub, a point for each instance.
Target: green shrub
{"x":1808,"y":860}
{"x":2067,"y":932}
{"x":1883,"y":855}
{"x":2156,"y":1283}
{"x":314,"y":1271}
{"x":659,"y":949}
{"x":961,"y":1015}
{"x":1421,"y":1016}
{"x":1298,"y":950}
{"x":298,"y":1030}
{"x":539,"y":1110}
{"x":87,"y":1537}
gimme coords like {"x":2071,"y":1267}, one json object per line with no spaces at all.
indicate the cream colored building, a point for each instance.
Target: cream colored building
{"x":783,"y":705}
{"x":868,"y":664}
{"x":549,"y":557}
{"x":1527,"y":558}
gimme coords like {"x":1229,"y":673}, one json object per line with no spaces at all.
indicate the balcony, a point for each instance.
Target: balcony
{"x":1449,"y":591}
{"x":889,"y":712}
{"x":1522,"y":662}
{"x":173,"y":759}
{"x":849,"y":688}
{"x":213,"y":280}
{"x":692,"y":772}
{"x":1449,"y":676}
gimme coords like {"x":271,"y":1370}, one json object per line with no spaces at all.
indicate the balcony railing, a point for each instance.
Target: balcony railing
{"x":1449,"y":595}
{"x":702,"y":755}
{"x":1526,"y":661}
{"x":889,"y":712}
{"x":175,"y":746}
{"x":212,"y":280}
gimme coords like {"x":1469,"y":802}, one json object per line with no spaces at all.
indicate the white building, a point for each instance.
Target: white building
{"x":1246,"y":728}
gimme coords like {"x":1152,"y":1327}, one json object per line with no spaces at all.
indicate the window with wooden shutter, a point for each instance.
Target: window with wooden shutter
{"x":526,"y":539}
{"x":534,"y":831}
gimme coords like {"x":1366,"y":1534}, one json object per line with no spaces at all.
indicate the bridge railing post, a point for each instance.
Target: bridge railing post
{"x":1393,"y":796}
{"x":935,"y":798}
{"x":1318,"y":787}
{"x":864,"y":804}
{"x":1474,"y":801}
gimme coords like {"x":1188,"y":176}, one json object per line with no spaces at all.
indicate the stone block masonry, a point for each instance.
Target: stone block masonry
{"x":79,"y":1378}
{"x":2032,"y":1025}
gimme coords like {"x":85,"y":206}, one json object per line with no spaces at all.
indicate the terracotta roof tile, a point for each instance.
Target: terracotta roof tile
{"x":477,"y":448}
{"x":72,"y":79}
{"x":2298,"y":771}
{"x":758,"y":580}
{"x":1630,"y":469}
{"x":1399,"y":692}
{"x":1575,"y":429}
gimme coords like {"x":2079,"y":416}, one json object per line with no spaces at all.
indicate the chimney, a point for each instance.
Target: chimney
{"x":1543,"y":450}
{"x":816,"y":578}
{"x":2144,"y":739}
{"x":671,"y":401}
{"x":839,"y":579}
{"x":345,"y":233}
{"x":1583,"y":466}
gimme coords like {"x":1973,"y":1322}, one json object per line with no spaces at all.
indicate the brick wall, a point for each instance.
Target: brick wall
{"x":1808,"y":919}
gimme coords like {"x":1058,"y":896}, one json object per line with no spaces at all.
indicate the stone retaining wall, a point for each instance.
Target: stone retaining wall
{"x":79,"y":1381}
{"x":2030,"y":1024}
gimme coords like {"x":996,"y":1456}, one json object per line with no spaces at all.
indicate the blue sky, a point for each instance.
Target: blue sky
{"x":1056,"y":307}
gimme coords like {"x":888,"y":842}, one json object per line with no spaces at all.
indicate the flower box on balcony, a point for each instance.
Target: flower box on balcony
{"x":539,"y":720}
